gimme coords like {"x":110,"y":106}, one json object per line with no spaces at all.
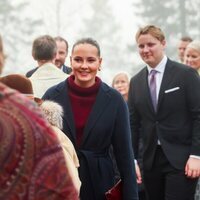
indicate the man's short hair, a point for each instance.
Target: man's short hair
{"x":44,"y":48}
{"x":186,"y":39}
{"x":152,"y":30}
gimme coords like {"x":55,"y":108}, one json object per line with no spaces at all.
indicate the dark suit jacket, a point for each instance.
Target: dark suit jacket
{"x":177,"y":120}
{"x":29,"y":73}
{"x":108,"y":123}
{"x":66,"y":70}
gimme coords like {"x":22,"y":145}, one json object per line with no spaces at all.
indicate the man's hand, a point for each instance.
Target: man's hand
{"x":192,"y":168}
{"x":138,"y":173}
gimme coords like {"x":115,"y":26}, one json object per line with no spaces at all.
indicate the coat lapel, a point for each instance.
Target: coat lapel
{"x":68,"y":115}
{"x":167,"y":78}
{"x":99,"y":106}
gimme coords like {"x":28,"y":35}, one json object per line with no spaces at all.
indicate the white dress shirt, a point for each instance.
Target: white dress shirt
{"x":160,"y":68}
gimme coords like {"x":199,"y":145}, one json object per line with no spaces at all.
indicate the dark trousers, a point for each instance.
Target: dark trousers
{"x":142,"y":195}
{"x":164,"y":182}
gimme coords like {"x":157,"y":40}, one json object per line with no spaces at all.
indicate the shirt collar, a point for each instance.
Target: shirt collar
{"x":160,"y":67}
{"x":62,"y":67}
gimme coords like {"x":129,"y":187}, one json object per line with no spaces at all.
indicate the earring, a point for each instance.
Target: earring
{"x":99,"y":68}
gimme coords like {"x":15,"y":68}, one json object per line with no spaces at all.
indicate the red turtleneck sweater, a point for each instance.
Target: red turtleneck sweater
{"x":82,"y":100}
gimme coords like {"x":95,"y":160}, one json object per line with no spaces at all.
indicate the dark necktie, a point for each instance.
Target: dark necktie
{"x":152,"y":87}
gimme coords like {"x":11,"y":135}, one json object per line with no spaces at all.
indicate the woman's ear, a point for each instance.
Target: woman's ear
{"x":100,"y":61}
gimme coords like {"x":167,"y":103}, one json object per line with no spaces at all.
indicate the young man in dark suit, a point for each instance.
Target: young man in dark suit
{"x":164,"y":103}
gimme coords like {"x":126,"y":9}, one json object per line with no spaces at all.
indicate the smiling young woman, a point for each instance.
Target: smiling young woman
{"x":85,"y":62}
{"x":95,"y":117}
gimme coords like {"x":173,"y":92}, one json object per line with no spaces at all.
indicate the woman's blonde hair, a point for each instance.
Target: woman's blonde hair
{"x":194,"y":45}
{"x":118,"y":74}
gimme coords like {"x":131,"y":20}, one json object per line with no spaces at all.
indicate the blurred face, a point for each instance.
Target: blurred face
{"x":121,"y":84}
{"x":181,"y":49}
{"x":151,"y":49}
{"x":61,"y":53}
{"x":85,"y":63}
{"x":192,"y":58}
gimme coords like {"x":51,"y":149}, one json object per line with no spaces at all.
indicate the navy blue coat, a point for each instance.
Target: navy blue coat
{"x":108,"y":123}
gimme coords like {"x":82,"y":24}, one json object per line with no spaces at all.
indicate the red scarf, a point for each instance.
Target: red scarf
{"x":82,"y":100}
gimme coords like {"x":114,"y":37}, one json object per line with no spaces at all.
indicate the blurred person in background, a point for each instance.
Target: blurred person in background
{"x":192,"y":55}
{"x":44,"y":50}
{"x":53,"y":112}
{"x":184,"y":41}
{"x":121,"y":84}
{"x":95,"y":117}
{"x":59,"y":60}
{"x":61,"y":55}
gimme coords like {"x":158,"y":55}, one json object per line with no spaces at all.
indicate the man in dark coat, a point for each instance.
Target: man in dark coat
{"x":164,"y":104}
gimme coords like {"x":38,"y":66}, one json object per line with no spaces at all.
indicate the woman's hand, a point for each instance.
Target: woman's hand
{"x":138,"y":173}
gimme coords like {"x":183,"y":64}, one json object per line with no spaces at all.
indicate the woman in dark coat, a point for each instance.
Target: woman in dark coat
{"x":95,"y":117}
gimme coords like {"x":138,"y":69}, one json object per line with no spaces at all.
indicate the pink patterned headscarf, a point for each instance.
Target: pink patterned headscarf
{"x":32,"y":164}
